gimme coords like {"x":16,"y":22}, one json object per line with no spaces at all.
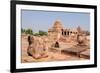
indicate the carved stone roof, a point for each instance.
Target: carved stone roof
{"x":57,"y":24}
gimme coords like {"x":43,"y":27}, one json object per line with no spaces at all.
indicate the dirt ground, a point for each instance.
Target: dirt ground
{"x":52,"y":56}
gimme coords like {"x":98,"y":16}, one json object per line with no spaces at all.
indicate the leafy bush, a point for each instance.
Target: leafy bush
{"x":41,"y":33}
{"x":36,"y":34}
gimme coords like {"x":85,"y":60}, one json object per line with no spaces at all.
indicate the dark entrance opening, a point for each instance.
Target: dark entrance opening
{"x":65,"y":33}
{"x":62,"y":31}
{"x":68,"y":33}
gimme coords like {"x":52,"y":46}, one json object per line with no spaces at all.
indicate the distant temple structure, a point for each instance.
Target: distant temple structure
{"x":57,"y":31}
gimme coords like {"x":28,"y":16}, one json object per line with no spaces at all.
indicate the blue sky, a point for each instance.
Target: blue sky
{"x":43,"y":20}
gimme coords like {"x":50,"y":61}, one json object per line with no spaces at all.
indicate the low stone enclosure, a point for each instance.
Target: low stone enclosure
{"x":77,"y":50}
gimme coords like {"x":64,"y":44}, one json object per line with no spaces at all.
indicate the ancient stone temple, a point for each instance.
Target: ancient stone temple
{"x":57,"y":31}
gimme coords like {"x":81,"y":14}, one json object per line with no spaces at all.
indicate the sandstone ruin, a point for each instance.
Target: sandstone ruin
{"x":60,"y":39}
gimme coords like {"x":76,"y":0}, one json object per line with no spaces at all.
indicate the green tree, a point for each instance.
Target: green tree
{"x":29,"y":31}
{"x":22,"y":30}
